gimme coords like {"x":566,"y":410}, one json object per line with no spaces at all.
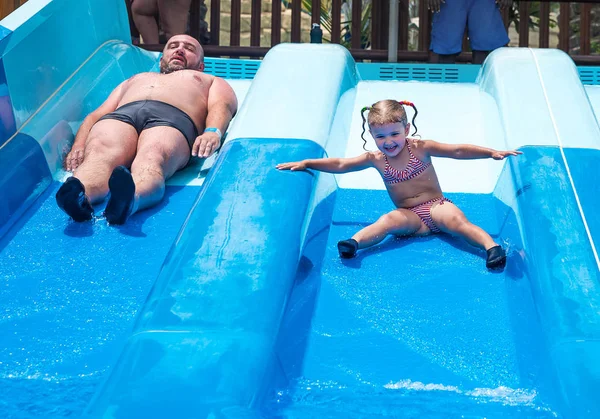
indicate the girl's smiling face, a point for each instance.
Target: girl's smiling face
{"x":390,"y":138}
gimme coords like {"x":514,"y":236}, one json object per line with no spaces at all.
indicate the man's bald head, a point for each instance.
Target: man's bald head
{"x":182,"y":52}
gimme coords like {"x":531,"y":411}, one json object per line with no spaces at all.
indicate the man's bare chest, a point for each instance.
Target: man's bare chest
{"x":175,"y":84}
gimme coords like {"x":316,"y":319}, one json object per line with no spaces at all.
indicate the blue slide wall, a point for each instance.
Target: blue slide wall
{"x":554,"y":201}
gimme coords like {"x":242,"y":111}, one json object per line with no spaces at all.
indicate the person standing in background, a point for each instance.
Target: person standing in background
{"x":172,"y":14}
{"x":483,"y":20}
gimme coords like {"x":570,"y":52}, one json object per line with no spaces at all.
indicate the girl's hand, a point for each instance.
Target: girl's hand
{"x":500,"y":155}
{"x":293,"y":166}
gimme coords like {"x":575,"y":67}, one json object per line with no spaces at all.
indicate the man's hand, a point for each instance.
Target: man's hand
{"x":434,"y":5}
{"x":74,"y":158}
{"x":500,"y":155}
{"x":504,"y":4}
{"x":206,"y":144}
{"x":293,"y":166}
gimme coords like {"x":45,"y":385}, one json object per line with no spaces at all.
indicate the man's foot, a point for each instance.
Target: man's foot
{"x":496,"y":258}
{"x":72,"y":200}
{"x":122,"y":193}
{"x":347,"y":248}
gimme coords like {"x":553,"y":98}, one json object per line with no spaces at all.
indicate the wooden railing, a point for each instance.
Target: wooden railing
{"x":8,"y":6}
{"x":539,"y":16}
{"x":578,"y":31}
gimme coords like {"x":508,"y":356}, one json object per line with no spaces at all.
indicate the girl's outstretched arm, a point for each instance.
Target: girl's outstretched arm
{"x":464,"y":151}
{"x":332,"y":165}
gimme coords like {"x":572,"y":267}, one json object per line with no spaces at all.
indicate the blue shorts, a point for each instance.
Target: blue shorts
{"x":483,"y":19}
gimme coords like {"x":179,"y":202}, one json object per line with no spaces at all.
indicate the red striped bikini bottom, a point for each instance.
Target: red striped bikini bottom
{"x":424,"y":212}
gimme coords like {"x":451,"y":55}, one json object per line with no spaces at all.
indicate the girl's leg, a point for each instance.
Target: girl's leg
{"x":450,"y":219}
{"x":400,"y":222}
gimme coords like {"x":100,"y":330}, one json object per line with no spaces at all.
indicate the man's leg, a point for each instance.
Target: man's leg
{"x":447,"y":58}
{"x":144,"y":14}
{"x":161,"y":152}
{"x":480,"y":56}
{"x":110,"y":143}
{"x":447,"y":30}
{"x":174,"y":16}
{"x":486,"y":29}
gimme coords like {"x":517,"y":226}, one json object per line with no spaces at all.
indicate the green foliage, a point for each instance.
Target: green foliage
{"x":533,"y":18}
{"x":326,"y":21}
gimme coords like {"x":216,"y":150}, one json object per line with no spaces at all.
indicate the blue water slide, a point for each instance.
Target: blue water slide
{"x":70,"y":291}
{"x":229,"y":299}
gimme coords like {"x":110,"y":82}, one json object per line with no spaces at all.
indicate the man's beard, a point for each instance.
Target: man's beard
{"x":168,"y":68}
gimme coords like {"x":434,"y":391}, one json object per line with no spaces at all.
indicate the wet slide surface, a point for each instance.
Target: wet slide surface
{"x":68,"y":299}
{"x":416,"y":325}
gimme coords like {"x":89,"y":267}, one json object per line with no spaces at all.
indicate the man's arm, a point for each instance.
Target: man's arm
{"x":222,"y":106}
{"x":75,"y":156}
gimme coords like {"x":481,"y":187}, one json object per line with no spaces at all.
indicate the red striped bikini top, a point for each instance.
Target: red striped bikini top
{"x":413,"y":169}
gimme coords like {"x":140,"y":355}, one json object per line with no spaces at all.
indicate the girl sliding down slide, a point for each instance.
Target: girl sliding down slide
{"x":412,"y":184}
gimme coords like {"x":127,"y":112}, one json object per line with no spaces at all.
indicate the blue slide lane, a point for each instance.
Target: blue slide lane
{"x":414,"y":325}
{"x":70,"y":293}
{"x":204,"y":340}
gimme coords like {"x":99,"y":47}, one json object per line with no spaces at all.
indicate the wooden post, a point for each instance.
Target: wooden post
{"x":236,"y":12}
{"x":376,"y":31}
{"x":403,"y":26}
{"x":296,"y":20}
{"x":336,"y":21}
{"x":215,"y":21}
{"x":524,"y":24}
{"x":563,"y":26}
{"x":585,"y":29}
{"x":275,"y":23}
{"x":356,"y":23}
{"x":255,"y":14}
{"x":544,"y":25}
{"x":316,"y":12}
{"x":424,"y":29}
{"x":194,"y":19}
